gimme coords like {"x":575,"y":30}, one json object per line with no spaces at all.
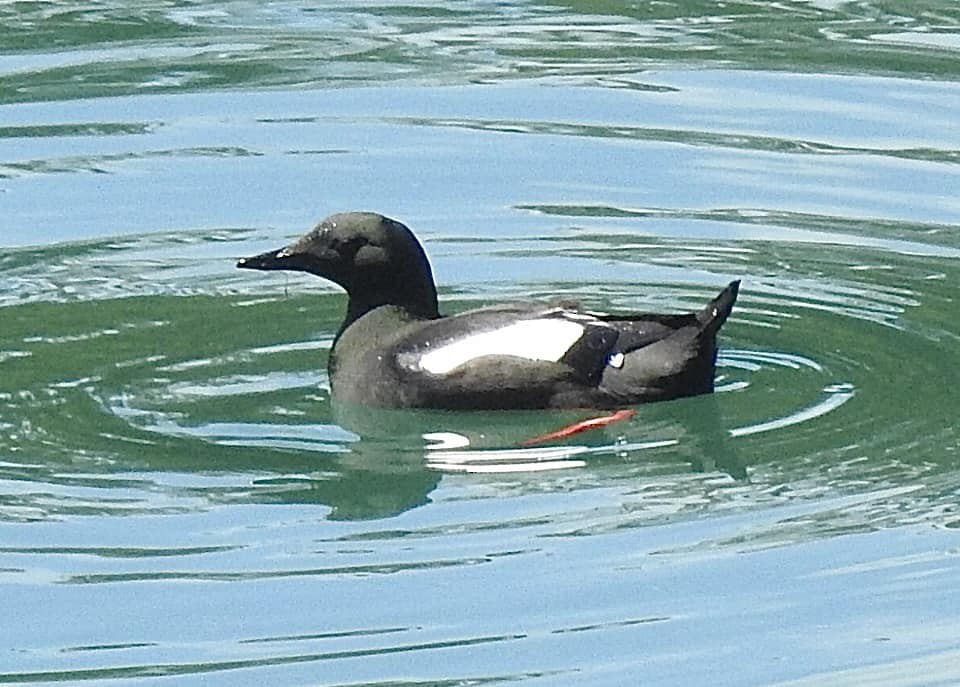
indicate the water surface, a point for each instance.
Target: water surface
{"x":180,"y":500}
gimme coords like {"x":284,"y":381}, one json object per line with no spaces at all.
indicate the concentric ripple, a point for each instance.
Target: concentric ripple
{"x":803,"y":383}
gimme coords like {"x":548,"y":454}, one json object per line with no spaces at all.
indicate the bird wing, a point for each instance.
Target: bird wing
{"x":504,"y":356}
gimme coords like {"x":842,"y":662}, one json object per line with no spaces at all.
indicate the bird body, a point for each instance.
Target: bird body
{"x":395,"y":350}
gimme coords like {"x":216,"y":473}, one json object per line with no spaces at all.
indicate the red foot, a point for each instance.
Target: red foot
{"x":582,"y":426}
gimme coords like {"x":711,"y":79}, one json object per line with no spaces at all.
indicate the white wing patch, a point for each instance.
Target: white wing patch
{"x":544,"y":339}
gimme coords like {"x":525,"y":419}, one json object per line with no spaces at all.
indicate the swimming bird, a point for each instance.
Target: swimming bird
{"x":395,"y":350}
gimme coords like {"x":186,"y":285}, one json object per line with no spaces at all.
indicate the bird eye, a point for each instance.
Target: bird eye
{"x":369,"y":255}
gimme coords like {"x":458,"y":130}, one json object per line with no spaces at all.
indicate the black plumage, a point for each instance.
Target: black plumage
{"x":394,"y":349}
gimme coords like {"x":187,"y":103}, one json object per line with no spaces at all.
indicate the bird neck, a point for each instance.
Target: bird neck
{"x":419,"y":304}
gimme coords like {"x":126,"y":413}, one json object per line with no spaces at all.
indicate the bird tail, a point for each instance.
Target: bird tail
{"x":713,"y":316}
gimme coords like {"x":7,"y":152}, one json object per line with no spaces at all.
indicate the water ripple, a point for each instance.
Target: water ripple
{"x":170,"y":456}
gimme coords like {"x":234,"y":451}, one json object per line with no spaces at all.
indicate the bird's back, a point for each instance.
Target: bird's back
{"x":522,"y":356}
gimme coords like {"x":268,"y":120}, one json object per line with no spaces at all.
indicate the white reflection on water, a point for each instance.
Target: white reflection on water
{"x":440,"y":457}
{"x":838,"y":394}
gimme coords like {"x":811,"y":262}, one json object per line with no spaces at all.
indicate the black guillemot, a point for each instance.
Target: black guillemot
{"x":395,"y":350}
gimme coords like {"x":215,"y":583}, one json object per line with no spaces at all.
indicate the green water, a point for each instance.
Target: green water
{"x":182,"y":503}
